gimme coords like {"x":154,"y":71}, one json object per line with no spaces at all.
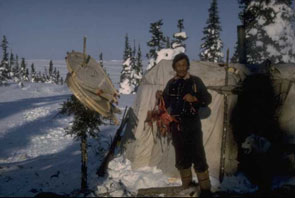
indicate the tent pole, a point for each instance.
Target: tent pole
{"x":225,"y":123}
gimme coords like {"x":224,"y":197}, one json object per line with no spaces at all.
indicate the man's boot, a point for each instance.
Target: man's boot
{"x":186,"y":177}
{"x":204,"y":182}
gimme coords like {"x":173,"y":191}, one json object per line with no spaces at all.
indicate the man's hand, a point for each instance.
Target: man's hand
{"x":159,"y":94}
{"x":189,"y":98}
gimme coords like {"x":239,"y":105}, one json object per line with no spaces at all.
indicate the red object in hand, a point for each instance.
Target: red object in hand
{"x":161,"y":116}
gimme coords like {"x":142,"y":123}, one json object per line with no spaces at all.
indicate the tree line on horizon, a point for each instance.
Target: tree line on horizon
{"x":13,"y":70}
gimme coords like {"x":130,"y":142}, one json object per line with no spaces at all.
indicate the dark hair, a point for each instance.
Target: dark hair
{"x":179,"y":57}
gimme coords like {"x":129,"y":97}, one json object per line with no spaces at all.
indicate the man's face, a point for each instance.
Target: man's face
{"x":181,"y":68}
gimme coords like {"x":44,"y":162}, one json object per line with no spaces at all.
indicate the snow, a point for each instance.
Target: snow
{"x":151,"y":64}
{"x":126,"y":87}
{"x":168,"y":54}
{"x":180,"y":34}
{"x":127,"y":62}
{"x":176,"y":44}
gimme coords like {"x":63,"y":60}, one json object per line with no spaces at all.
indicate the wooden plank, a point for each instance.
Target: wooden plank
{"x":170,"y":191}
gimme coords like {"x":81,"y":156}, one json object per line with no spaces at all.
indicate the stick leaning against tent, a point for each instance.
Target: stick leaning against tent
{"x":104,"y":165}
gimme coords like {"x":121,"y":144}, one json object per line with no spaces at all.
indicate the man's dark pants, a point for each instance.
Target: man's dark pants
{"x":187,"y":138}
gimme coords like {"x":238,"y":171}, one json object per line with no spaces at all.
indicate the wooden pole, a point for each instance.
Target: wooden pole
{"x":241,"y":44}
{"x":225,"y":123}
{"x":84,"y":51}
{"x":84,"y":159}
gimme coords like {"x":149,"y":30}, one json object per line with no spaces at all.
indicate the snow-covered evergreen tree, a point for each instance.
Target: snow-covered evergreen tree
{"x":156,"y":43}
{"x":52,"y":75}
{"x":179,"y":36}
{"x":57,"y":79}
{"x":211,"y":48}
{"x":139,"y":65}
{"x":50,"y":72}
{"x":137,"y":70}
{"x":172,"y":49}
{"x":16,"y":70}
{"x":4,"y":65}
{"x":269,"y":30}
{"x":33,"y":73}
{"x":11,"y":64}
{"x":39,"y":77}
{"x":23,"y":71}
{"x":133,"y":75}
{"x":125,"y":77}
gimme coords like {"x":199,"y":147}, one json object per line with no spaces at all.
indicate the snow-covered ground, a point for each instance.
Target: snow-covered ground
{"x":37,"y":156}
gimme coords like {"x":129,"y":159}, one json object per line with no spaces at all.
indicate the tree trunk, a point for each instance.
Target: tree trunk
{"x":84,"y":158}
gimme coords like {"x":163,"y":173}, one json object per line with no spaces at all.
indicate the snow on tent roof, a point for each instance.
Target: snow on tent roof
{"x":141,"y":145}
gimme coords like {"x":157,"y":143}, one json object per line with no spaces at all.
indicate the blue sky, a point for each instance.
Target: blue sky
{"x":39,"y":29}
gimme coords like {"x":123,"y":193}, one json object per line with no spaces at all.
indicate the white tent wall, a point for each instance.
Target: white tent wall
{"x":141,"y":145}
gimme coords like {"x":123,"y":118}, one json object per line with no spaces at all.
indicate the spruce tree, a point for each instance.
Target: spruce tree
{"x":50,"y":71}
{"x":127,"y":49}
{"x":27,"y":74}
{"x":180,"y":36}
{"x":138,"y":70}
{"x":4,"y":46}
{"x":86,"y":124}
{"x":211,"y":48}
{"x":54,"y":75}
{"x":260,"y":19}
{"x":57,"y":79}
{"x":16,"y":70}
{"x":157,"y":41}
{"x":133,"y":66}
{"x":23,"y":70}
{"x":125,"y":77}
{"x":11,"y":64}
{"x":4,"y":65}
{"x":33,"y":73}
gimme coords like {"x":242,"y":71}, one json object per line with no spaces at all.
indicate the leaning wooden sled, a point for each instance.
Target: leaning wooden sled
{"x":91,"y":85}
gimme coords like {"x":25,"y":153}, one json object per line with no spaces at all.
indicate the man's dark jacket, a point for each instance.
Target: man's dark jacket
{"x":177,"y":88}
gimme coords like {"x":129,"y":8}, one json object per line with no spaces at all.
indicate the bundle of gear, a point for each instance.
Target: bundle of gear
{"x":160,"y":115}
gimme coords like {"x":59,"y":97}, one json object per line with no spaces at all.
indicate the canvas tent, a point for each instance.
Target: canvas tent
{"x":140,"y":143}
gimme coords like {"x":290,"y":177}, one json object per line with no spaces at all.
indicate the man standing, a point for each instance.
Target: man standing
{"x":184,"y":95}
